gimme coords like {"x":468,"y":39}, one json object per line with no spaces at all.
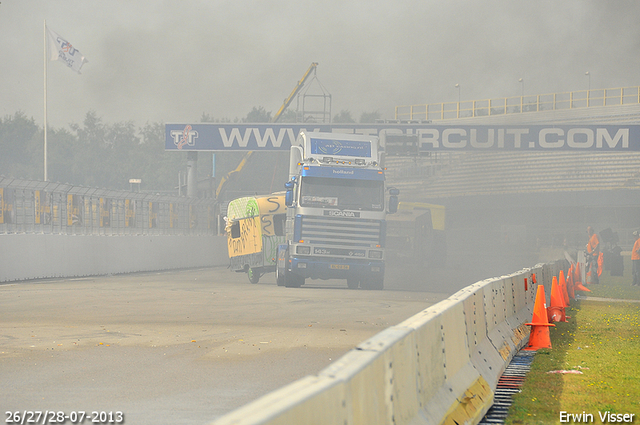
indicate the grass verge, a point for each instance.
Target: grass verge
{"x":601,"y":341}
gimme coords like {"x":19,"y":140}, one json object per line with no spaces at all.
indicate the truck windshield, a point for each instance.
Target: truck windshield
{"x":365,"y":195}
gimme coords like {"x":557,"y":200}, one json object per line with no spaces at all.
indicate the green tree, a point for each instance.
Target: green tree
{"x":288,"y":116}
{"x":158,"y":168}
{"x":62,"y":146}
{"x":106,"y":154}
{"x":369,"y":117}
{"x":257,"y":114}
{"x":343,"y":117}
{"x":21,"y":147}
{"x":208,"y":118}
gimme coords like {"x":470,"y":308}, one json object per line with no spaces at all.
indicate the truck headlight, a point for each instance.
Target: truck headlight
{"x":303,"y":250}
{"x":375,"y":254}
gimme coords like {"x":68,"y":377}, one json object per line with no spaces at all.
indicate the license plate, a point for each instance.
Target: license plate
{"x":340,"y":266}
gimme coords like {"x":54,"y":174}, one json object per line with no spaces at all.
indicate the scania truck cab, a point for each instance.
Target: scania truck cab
{"x":336,"y":208}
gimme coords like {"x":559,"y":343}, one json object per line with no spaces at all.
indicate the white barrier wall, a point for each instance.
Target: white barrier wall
{"x":32,"y":256}
{"x":440,"y":366}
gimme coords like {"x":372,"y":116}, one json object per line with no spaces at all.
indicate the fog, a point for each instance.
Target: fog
{"x":172,"y":61}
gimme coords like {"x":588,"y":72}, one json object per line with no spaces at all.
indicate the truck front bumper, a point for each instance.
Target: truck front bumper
{"x":335,"y":268}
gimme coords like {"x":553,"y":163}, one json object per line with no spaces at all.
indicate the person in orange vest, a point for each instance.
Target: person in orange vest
{"x":593,"y":251}
{"x":635,"y":259}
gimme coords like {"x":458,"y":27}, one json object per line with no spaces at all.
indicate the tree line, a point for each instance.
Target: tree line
{"x":107,"y":155}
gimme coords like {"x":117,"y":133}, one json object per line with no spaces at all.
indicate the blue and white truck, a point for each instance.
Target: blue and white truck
{"x":336,"y":207}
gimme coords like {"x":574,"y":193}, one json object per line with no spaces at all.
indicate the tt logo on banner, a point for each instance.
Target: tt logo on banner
{"x":187,"y":137}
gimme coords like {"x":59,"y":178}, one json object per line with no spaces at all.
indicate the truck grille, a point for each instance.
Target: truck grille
{"x":341,"y":231}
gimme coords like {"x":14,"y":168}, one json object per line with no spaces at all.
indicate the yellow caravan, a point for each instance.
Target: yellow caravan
{"x":255,"y":228}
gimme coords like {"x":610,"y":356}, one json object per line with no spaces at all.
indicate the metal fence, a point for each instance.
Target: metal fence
{"x":520,"y":104}
{"x":29,"y":206}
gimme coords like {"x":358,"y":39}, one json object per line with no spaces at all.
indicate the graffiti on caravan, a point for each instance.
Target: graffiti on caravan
{"x":427,"y":137}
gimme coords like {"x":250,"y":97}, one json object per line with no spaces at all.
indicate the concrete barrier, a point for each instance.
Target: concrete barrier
{"x":33,"y":256}
{"x":441,"y":365}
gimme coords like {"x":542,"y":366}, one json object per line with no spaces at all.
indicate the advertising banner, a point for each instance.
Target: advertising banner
{"x":153,"y":214}
{"x":6,"y":206}
{"x":105,"y":212}
{"x":74,"y":210}
{"x":173,"y":216}
{"x":129,"y":213}
{"x":42,"y":205}
{"x":419,"y":137}
{"x":193,"y":217}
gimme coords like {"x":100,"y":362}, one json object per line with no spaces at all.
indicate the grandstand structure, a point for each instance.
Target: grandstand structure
{"x":531,"y":196}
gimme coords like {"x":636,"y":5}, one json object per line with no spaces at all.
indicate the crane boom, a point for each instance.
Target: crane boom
{"x":287,"y":101}
{"x":238,"y":169}
{"x":295,"y":91}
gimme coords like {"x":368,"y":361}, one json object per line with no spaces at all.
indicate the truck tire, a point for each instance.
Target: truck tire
{"x":353,"y":283}
{"x":279,"y":277}
{"x":292,"y":280}
{"x":253,"y":275}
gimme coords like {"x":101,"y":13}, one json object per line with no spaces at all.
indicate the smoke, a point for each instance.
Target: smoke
{"x":171,"y":61}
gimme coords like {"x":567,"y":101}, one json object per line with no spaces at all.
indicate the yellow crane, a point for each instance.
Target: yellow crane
{"x":295,"y":91}
{"x":276,"y":117}
{"x":239,"y":168}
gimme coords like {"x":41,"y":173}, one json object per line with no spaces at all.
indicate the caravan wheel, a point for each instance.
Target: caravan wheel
{"x":254,"y":276}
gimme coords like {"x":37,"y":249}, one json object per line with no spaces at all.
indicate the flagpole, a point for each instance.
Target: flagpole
{"x":45,"y":100}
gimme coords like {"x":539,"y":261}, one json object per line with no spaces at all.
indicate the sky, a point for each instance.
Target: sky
{"x":170,"y":61}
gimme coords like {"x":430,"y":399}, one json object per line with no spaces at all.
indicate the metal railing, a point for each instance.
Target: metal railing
{"x":28,"y":206}
{"x":519,"y":104}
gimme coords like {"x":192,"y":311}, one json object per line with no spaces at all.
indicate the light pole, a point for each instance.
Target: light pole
{"x":521,"y":80}
{"x":588,"y":74}
{"x":458,"y":87}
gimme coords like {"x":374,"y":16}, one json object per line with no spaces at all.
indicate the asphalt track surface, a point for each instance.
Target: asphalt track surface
{"x":185,"y":347}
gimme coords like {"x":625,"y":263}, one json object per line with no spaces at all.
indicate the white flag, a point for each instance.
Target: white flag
{"x":61,"y":49}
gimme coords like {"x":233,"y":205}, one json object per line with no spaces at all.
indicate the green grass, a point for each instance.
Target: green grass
{"x":601,"y":339}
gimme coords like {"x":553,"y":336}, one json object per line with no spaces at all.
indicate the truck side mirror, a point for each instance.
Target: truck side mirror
{"x":288,"y":196}
{"x":393,"y":200}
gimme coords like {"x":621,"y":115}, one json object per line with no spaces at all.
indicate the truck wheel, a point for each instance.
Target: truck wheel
{"x":353,"y":283}
{"x":254,"y":276}
{"x":292,"y":280}
{"x":279,"y":277}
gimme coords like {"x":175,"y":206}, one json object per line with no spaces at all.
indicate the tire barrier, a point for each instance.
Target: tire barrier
{"x":440,"y":366}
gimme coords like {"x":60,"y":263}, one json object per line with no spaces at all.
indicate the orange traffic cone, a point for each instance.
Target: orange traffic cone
{"x":578,"y":286}
{"x":562,"y":284}
{"x":555,"y":312}
{"x":570,"y":289}
{"x":577,"y":282}
{"x":576,"y":274}
{"x":539,"y":336}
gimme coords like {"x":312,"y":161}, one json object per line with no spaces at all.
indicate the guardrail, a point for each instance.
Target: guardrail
{"x":28,"y":206}
{"x":519,"y":104}
{"x":440,"y":366}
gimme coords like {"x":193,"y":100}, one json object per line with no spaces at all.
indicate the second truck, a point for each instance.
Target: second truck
{"x":336,"y":208}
